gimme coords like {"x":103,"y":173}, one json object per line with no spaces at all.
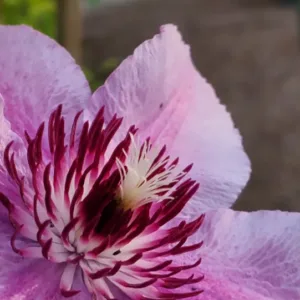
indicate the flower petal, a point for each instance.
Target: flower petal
{"x":159,"y":90}
{"x":251,"y":255}
{"x":22,"y":278}
{"x":30,"y":279}
{"x":209,"y":140}
{"x":36,"y":75}
{"x":151,"y":86}
{"x":6,"y":136}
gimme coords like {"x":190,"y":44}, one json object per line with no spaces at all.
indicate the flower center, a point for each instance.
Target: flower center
{"x":104,"y":217}
{"x":147,"y":175}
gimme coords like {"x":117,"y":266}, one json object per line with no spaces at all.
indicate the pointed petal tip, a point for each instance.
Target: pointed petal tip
{"x":174,"y":31}
{"x":170,"y":28}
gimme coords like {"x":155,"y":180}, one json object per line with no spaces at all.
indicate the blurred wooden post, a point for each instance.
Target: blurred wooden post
{"x":69,"y":31}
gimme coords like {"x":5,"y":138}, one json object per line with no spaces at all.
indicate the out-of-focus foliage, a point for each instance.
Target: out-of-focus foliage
{"x":98,"y":76}
{"x":93,"y":2}
{"x":40,"y":14}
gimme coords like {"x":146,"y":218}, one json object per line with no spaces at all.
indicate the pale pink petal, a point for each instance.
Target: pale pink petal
{"x":251,"y":256}
{"x":159,"y":90}
{"x":29,"y":279}
{"x":6,"y":136}
{"x":152,"y":87}
{"x":209,"y":140}
{"x":24,"y":278}
{"x":36,"y":74}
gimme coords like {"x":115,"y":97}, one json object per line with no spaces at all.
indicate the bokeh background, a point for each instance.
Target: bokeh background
{"x":248,"y":49}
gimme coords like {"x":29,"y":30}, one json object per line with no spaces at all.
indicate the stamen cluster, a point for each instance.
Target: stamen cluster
{"x":105,"y":218}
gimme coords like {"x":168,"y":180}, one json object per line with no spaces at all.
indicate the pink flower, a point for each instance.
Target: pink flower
{"x":96,"y":205}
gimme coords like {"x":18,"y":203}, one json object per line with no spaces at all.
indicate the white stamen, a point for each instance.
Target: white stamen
{"x":137,"y":186}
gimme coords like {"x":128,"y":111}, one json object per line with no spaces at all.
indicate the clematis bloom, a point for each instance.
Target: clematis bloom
{"x":100,"y":197}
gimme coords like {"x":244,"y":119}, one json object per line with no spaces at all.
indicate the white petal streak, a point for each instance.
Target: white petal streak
{"x":67,"y":277}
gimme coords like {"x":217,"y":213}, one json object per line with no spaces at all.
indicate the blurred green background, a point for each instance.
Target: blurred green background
{"x":43,"y":15}
{"x":39,"y":14}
